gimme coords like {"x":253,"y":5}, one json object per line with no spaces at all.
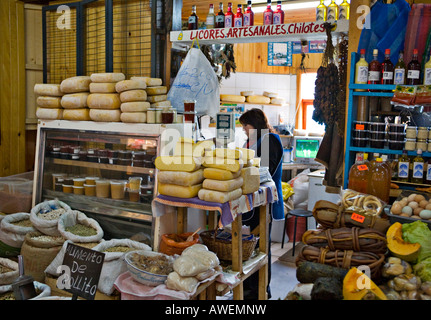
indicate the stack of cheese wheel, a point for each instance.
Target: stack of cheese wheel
{"x":223,"y":181}
{"x":133,"y":105}
{"x":250,"y":173}
{"x":274,"y":97}
{"x":74,"y":101}
{"x":156,"y":92}
{"x":104,"y":101}
{"x":181,"y":175}
{"x":48,"y":101}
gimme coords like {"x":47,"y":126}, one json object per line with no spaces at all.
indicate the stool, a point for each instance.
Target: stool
{"x":296,"y":213}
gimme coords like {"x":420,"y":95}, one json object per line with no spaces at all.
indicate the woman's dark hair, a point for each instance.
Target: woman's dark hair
{"x":257,"y":119}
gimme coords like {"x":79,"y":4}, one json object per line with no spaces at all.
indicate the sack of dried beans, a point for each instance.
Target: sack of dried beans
{"x":45,"y":216}
{"x":74,"y":225}
{"x":8,"y":271}
{"x":13,"y":229}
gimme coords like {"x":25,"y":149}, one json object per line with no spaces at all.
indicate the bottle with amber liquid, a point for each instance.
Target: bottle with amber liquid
{"x":219,"y":19}
{"x":387,"y":69}
{"x":268,"y":13}
{"x":321,"y":12}
{"x":248,"y":15}
{"x":413,"y":70}
{"x":238,"y":19}
{"x":228,"y":17}
{"x":211,"y":17}
{"x":418,"y":168}
{"x":400,"y":70}
{"x":403,"y":167}
{"x":358,"y":174}
{"x":193,"y":19}
{"x":278,"y":15}
{"x":374,"y":69}
{"x":379,"y":180}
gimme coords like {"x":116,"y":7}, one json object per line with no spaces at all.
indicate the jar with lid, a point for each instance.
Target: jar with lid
{"x":421,"y":144}
{"x":411,"y":132}
{"x":151,"y":115}
{"x":422,"y":133}
{"x":159,"y":111}
{"x":410,"y":144}
{"x":167,"y":116}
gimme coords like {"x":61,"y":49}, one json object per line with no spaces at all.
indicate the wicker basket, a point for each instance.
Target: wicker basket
{"x":223,"y":248}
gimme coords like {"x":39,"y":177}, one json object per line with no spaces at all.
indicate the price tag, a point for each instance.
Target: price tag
{"x":362,"y":167}
{"x":358,"y":217}
{"x":360,"y":127}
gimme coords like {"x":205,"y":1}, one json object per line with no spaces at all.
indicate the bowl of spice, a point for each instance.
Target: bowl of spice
{"x":148,"y":267}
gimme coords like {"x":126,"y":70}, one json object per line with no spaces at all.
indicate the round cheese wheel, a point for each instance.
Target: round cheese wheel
{"x":134,"y":117}
{"x":49,"y":114}
{"x":107,"y":77}
{"x":104,"y":101}
{"x":152,"y":91}
{"x":165,"y":103}
{"x":247,"y":93}
{"x":46,"y":89}
{"x":137,"y":106}
{"x":103,"y":115}
{"x":81,"y":114}
{"x":102,"y":87}
{"x":258,"y":99}
{"x":158,"y":98}
{"x":277,"y":101}
{"x":126,"y":85}
{"x":75,"y":84}
{"x":133,"y":95}
{"x":151,"y":82}
{"x":48,"y":102}
{"x":232,"y":98}
{"x":270,"y":94}
{"x":74,"y":100}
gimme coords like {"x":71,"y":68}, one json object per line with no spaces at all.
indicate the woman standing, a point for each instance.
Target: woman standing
{"x":262,"y":138}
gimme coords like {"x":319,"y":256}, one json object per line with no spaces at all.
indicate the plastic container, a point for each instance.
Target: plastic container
{"x":363,"y":134}
{"x":67,"y":188}
{"x":16,"y":193}
{"x":167,"y":116}
{"x":189,"y":105}
{"x":189,"y":117}
{"x":113,"y":160}
{"x":134,"y":195}
{"x":103,"y":160}
{"x":396,"y":145}
{"x":90,"y":190}
{"x":396,"y":127}
{"x":124,"y":162}
{"x":112,"y":153}
{"x":103,"y":188}
{"x":135,"y":183}
{"x":360,"y":142}
{"x":377,"y":143}
{"x":118,"y":189}
{"x":92,"y":158}
{"x":91,"y":180}
{"x":377,"y":126}
{"x":78,"y":182}
{"x":396,"y":136}
{"x":377,"y":135}
{"x":125,"y":154}
{"x":78,"y":190}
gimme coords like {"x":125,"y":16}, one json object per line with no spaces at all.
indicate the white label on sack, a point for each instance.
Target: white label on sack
{"x":413,"y":74}
{"x":362,"y":74}
{"x":427,"y":76}
{"x":388,"y":75}
{"x":373,"y":75}
{"x":399,"y":76}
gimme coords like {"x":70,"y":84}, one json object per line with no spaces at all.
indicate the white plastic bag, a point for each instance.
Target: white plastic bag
{"x":196,"y":80}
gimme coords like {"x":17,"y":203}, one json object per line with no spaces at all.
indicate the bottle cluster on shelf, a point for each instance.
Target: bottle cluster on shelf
{"x":333,"y":11}
{"x":414,"y":169}
{"x":376,"y":72}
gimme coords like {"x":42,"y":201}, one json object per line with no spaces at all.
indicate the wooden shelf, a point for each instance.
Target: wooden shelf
{"x":261,"y":33}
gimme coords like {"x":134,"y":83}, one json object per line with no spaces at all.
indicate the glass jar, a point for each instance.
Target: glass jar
{"x":159,"y":111}
{"x":422,"y":133}
{"x":151,"y":115}
{"x":410,"y":144}
{"x":167,"y":116}
{"x":423,"y":145}
{"x":411,"y":133}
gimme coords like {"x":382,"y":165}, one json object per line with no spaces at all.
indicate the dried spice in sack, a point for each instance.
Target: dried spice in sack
{"x":81,"y":230}
{"x":23,"y":223}
{"x":119,"y":249}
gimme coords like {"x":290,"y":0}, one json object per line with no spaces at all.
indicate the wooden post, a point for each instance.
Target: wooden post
{"x":181,"y":220}
{"x":263,"y":247}
{"x":238,"y":292}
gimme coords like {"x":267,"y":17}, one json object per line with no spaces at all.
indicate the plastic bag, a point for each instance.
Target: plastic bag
{"x":287,"y":190}
{"x":47,"y":226}
{"x":194,"y":260}
{"x":361,"y":204}
{"x":196,"y":80}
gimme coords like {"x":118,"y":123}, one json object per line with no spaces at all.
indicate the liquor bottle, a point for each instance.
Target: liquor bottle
{"x":238,"y":19}
{"x":358,"y":174}
{"x":228,"y":17}
{"x":418,"y":168}
{"x":361,"y":69}
{"x":193,"y":19}
{"x":387,"y":69}
{"x":211,"y":18}
{"x":332,"y":11}
{"x":427,"y":72}
{"x":374,"y":69}
{"x":413,"y":69}
{"x":268,"y":13}
{"x":400,"y":70}
{"x":427,"y":177}
{"x":403,"y":167}
{"x":248,"y":15}
{"x":344,"y":10}
{"x":278,"y":15}
{"x":379,"y":181}
{"x":219,"y":19}
{"x":321,"y":12}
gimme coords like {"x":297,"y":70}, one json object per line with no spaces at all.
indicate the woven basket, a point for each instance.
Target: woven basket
{"x":223,"y":248}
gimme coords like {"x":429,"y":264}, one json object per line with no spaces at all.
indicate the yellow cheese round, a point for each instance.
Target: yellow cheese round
{"x":74,"y":100}
{"x":165,"y":103}
{"x":133,"y":95}
{"x":49,"y":114}
{"x":220,"y":174}
{"x":174,"y":190}
{"x":134,"y":117}
{"x":126,"y":85}
{"x":151,"y":82}
{"x":232,"y":98}
{"x":157,"y":98}
{"x":181,"y":178}
{"x":247,"y":93}
{"x":75,"y":84}
{"x":223,"y":185}
{"x":158,"y":90}
{"x":48,"y":102}
{"x":104,"y":101}
{"x":102,"y":87}
{"x":137,"y":106}
{"x":47,"y":89}
{"x":251,"y":178}
{"x":108,"y":77}
{"x":219,"y":196}
{"x":81,"y":114}
{"x":103,"y":115}
{"x":177,"y":163}
{"x":258,"y":99}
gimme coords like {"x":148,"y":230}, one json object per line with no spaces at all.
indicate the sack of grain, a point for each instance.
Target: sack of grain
{"x":45,"y":215}
{"x":74,"y":225}
{"x":113,"y":264}
{"x":8,"y":271}
{"x":13,"y":229}
{"x":38,"y":251}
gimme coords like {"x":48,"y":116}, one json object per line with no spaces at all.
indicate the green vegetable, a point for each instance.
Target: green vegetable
{"x":418,"y":232}
{"x":423,"y":269}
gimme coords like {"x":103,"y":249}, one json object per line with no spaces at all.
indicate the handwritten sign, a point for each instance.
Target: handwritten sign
{"x":85,"y":266}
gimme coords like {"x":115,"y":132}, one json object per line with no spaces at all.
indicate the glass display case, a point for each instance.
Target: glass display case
{"x":105,"y":170}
